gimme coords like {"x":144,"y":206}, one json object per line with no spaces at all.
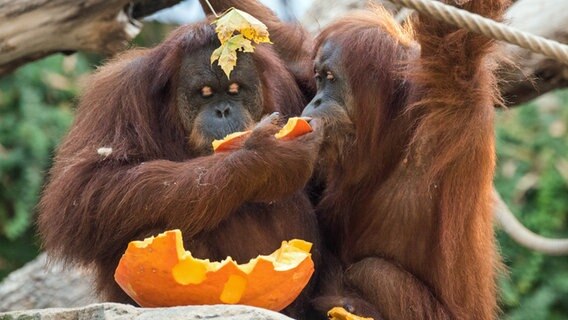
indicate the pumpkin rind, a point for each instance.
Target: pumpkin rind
{"x":295,"y":127}
{"x":229,"y":141}
{"x":153,"y":273}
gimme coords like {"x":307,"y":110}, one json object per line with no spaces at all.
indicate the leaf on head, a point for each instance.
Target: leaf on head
{"x":248,"y":29}
{"x":227,"y":53}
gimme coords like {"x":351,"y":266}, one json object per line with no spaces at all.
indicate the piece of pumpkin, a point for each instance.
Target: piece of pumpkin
{"x":158,"y":272}
{"x":295,"y":127}
{"x":229,"y":141}
{"x":338,"y":313}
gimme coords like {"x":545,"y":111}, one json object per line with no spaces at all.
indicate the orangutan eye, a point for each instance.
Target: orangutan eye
{"x":206,"y":92}
{"x":330,"y":76}
{"x":234,"y":88}
{"x":317,"y":76}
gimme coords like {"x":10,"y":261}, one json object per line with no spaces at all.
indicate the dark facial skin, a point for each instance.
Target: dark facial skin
{"x":212,"y":105}
{"x":332,"y":86}
{"x":333,"y":103}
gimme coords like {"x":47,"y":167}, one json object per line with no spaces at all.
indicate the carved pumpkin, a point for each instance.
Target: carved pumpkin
{"x":158,"y":272}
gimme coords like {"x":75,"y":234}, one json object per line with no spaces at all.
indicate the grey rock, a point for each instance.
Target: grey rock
{"x":41,"y":284}
{"x":115,"y":311}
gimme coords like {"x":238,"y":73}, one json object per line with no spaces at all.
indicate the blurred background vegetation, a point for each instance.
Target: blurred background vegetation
{"x":532,"y":177}
{"x":36,"y":108}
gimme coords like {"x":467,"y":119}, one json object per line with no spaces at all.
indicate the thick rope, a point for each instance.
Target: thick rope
{"x":522,"y":235}
{"x":487,"y":27}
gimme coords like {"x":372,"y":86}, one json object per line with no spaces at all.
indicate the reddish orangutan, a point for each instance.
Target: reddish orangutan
{"x":156,"y":112}
{"x":408,"y":161}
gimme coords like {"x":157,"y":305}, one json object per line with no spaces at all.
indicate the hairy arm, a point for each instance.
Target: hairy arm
{"x":396,"y":292}
{"x":100,"y":201}
{"x":456,"y":85}
{"x":95,"y":203}
{"x":456,"y":92}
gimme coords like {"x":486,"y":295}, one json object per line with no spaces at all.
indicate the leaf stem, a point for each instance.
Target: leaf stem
{"x":212,"y":10}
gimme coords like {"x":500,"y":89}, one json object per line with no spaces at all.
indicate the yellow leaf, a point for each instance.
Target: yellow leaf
{"x":234,"y":20}
{"x":226,"y":54}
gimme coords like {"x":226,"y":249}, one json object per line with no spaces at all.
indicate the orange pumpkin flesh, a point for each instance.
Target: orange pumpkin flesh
{"x":295,"y":127}
{"x":338,"y":313}
{"x":158,"y":272}
{"x":229,"y":141}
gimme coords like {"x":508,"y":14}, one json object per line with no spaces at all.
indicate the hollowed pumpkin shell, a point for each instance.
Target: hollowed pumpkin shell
{"x":158,"y":272}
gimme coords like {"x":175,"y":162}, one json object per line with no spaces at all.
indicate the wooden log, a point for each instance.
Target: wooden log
{"x":530,"y":74}
{"x":33,"y":29}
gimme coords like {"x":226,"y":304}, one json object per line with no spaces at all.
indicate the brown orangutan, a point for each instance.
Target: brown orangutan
{"x":138,"y":159}
{"x":408,"y":160}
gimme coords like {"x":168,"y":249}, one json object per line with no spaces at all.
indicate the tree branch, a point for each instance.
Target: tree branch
{"x":144,"y":8}
{"x":531,"y":74}
{"x":33,"y":29}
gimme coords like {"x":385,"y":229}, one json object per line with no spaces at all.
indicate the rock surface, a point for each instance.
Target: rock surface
{"x":40,"y":284}
{"x":53,"y":292}
{"x":115,"y":311}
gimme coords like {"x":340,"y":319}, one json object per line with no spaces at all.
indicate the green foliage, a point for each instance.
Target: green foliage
{"x":36,"y":108}
{"x":35,"y":111}
{"x":15,"y":253}
{"x":532,"y":176}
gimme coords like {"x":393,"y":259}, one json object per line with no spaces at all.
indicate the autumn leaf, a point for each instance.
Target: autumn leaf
{"x":236,"y":31}
{"x":235,"y":20}
{"x":227,"y":53}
